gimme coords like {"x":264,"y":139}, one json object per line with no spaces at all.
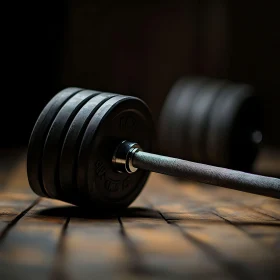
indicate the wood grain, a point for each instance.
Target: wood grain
{"x":174,"y":229}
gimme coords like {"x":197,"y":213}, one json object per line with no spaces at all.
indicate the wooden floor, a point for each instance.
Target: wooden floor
{"x":173,"y":230}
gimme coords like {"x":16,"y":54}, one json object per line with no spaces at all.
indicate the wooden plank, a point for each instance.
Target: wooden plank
{"x":27,"y":245}
{"x":8,"y":158}
{"x":11,"y":204}
{"x":174,"y":229}
{"x":2,"y":225}
{"x":93,"y":249}
{"x":164,"y":252}
{"x":269,"y":207}
{"x":267,"y":235}
{"x":239,"y":214}
{"x":241,"y":255}
{"x":221,"y":237}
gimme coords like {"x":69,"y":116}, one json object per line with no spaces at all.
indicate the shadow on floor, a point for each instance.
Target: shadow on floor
{"x":77,"y":212}
{"x":140,"y":212}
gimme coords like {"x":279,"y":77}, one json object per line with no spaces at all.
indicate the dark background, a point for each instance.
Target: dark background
{"x":134,"y":48}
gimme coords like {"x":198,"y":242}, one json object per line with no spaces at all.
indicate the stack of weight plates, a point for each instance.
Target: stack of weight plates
{"x":72,"y":144}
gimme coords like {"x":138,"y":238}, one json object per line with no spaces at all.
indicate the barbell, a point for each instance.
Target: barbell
{"x":94,"y":149}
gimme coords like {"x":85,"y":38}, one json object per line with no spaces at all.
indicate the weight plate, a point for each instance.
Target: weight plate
{"x":175,"y":121}
{"x":222,"y":127}
{"x":220,"y":120}
{"x":198,"y":118}
{"x":183,"y":111}
{"x":180,"y":109}
{"x":71,"y":145}
{"x":246,"y":133}
{"x":55,"y":138}
{"x":38,"y":135}
{"x":120,"y":118}
{"x":166,"y":117}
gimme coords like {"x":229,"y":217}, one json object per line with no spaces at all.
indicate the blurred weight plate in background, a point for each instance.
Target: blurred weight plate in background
{"x":211,"y":121}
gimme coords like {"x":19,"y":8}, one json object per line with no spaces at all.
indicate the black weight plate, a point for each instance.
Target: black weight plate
{"x":183,"y":112}
{"x":120,"y":118}
{"x":166,"y":117}
{"x":246,"y":133}
{"x":71,"y":145}
{"x":186,"y":121}
{"x":184,"y":93}
{"x":221,"y":123}
{"x":199,"y":118}
{"x":38,"y":136}
{"x":179,"y":110}
{"x":55,"y":138}
{"x":174,"y":122}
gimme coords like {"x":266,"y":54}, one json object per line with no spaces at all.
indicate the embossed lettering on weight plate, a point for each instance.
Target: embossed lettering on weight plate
{"x":126,"y":183}
{"x":127,"y":123}
{"x":109,"y":184}
{"x":100,"y":168}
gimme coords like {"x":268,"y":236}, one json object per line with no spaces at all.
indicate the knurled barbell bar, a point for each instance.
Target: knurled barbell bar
{"x":211,"y":121}
{"x":86,"y":149}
